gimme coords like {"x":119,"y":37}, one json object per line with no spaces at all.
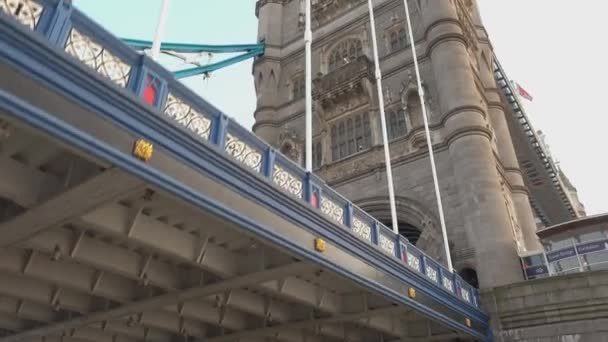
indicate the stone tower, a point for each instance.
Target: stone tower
{"x":487,"y":204}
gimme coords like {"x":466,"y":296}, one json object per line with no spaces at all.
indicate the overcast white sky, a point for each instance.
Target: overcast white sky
{"x":556,"y":49}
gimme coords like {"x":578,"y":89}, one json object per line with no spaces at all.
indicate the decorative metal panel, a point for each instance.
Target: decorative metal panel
{"x":431,"y":273}
{"x":188,"y":117}
{"x":332,"y":209}
{"x":98,"y":58}
{"x":386,"y":244}
{"x":413,"y":261}
{"x":361,"y":229}
{"x":287,"y":181}
{"x":27,"y":12}
{"x":244,"y":153}
{"x":465,"y":294}
{"x":448,"y":284}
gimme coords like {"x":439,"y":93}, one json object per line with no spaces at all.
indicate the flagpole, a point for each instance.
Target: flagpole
{"x":428,"y":138}
{"x":387,"y":154}
{"x":160,"y":28}
{"x":308,"y":118}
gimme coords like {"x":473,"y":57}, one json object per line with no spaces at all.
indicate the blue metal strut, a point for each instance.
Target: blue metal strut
{"x":249,"y":51}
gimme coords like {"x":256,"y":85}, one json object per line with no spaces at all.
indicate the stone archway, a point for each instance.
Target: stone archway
{"x":411,"y":215}
{"x":469,"y":275}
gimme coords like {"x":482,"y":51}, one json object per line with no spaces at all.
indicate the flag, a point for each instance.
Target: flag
{"x":523,"y":93}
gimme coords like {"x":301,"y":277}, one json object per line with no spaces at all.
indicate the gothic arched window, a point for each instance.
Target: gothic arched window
{"x":344,"y":53}
{"x":396,"y":124}
{"x":402,"y":38}
{"x":394,"y":41}
{"x":414,"y":109}
{"x":398,"y":39}
{"x":317,"y":155}
{"x":350,"y":136}
{"x":334,"y":143}
{"x":299,"y":88}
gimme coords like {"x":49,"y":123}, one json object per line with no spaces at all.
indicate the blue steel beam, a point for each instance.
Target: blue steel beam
{"x":215,"y":66}
{"x":192,"y":48}
{"x":250,"y":51}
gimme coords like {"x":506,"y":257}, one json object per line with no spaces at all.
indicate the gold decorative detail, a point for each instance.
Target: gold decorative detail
{"x":287,"y":181}
{"x":467,"y":322}
{"x":411,"y":292}
{"x":27,"y":12}
{"x":143,"y":150}
{"x":362,"y":229}
{"x":188,"y":117}
{"x":386,"y":244}
{"x":98,"y":58}
{"x":320,"y":245}
{"x":330,"y":208}
{"x":243,"y":153}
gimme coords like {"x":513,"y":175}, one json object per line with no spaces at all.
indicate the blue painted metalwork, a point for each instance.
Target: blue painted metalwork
{"x":249,"y":51}
{"x":91,"y":90}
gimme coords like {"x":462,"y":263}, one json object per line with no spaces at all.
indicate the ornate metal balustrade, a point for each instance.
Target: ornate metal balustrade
{"x":108,"y":58}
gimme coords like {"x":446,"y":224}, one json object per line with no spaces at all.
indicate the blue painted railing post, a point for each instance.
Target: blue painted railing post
{"x":348,"y":217}
{"x":375,"y":232}
{"x":403,"y":255}
{"x":221,"y":131}
{"x":269,"y":159}
{"x":423,"y":263}
{"x":441,"y":276}
{"x":489,"y":335}
{"x":308,"y":187}
{"x":398,"y":246}
{"x":475,"y":296}
{"x":59,"y":22}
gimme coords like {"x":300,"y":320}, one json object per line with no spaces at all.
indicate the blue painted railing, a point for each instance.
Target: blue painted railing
{"x":115,"y":61}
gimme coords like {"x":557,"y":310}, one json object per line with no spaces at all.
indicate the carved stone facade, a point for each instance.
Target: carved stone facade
{"x":488,"y":223}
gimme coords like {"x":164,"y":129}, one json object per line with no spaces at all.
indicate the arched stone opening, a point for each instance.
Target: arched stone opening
{"x":415,"y":222}
{"x":470,"y":276}
{"x":410,"y":231}
{"x":414,"y":109}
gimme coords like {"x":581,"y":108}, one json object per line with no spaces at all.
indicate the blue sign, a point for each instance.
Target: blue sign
{"x":535,"y":271}
{"x":561,"y":254}
{"x":591,"y":247}
{"x":583,"y":248}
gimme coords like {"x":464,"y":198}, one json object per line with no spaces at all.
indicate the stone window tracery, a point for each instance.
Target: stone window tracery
{"x":350,"y":135}
{"x":344,"y":53}
{"x":298,"y":88}
{"x":398,"y":39}
{"x":414,"y":109}
{"x":317,"y":155}
{"x":397,"y":126}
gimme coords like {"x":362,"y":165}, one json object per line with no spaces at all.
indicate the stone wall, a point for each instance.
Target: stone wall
{"x":486,"y":203}
{"x":561,"y":309}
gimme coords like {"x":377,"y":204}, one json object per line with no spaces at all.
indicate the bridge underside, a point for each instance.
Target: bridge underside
{"x":91,"y":253}
{"x":97,"y":245}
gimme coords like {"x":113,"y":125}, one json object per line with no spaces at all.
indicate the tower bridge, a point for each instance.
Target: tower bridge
{"x":133,"y":210}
